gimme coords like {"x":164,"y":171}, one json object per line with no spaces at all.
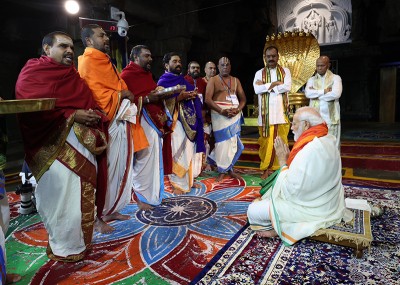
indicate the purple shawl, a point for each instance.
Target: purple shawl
{"x":194,"y":106}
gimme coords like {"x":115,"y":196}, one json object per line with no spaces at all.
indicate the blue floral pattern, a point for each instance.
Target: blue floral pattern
{"x":165,"y":227}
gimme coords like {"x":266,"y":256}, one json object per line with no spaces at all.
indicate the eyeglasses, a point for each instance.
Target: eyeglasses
{"x":294,"y":123}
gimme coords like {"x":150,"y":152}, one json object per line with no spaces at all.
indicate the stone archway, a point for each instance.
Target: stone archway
{"x":327,"y":21}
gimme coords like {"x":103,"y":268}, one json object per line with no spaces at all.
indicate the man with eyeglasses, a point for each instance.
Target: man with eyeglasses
{"x":307,"y":193}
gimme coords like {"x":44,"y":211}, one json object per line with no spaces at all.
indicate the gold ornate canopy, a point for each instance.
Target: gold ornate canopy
{"x":298,"y":51}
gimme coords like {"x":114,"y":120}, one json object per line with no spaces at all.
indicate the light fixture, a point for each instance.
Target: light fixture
{"x":122,"y":24}
{"x":71,"y":6}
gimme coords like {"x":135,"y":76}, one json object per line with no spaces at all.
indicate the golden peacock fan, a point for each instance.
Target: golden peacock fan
{"x":298,"y":51}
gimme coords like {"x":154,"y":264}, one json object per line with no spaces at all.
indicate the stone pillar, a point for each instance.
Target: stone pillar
{"x":387,"y":95}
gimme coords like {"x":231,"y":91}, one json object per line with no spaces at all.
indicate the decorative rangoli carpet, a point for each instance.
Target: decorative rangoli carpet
{"x":176,"y":244}
{"x":169,"y":245}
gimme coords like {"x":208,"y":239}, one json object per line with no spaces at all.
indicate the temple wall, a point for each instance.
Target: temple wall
{"x":205,"y":30}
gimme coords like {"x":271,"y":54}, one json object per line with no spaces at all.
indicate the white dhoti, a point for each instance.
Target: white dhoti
{"x":148,"y":169}
{"x":228,"y":146}
{"x":119,"y":167}
{"x":59,"y":202}
{"x":183,"y":152}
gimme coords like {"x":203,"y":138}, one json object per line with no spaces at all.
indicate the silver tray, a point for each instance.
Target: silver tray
{"x":167,"y":92}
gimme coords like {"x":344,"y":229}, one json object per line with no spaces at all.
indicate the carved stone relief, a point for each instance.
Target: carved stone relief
{"x":328,"y":20}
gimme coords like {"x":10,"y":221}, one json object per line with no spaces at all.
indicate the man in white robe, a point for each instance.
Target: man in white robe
{"x":324,"y":90}
{"x":307,"y":194}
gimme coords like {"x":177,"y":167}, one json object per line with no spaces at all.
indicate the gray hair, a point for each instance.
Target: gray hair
{"x":310,"y":115}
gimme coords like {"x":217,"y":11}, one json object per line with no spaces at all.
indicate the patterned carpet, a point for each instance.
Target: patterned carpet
{"x":174,"y":243}
{"x":249,"y":259}
{"x":169,"y":245}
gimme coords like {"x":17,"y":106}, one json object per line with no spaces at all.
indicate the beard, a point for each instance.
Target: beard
{"x":194,"y":75}
{"x":147,"y":66}
{"x":177,"y":70}
{"x":299,"y":131}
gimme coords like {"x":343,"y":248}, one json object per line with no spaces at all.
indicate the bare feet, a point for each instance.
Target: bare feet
{"x":12,"y":278}
{"x":265,"y":174}
{"x":144,"y":206}
{"x":271,"y":233}
{"x":102,"y":227}
{"x":116,"y":216}
{"x":178,"y":191}
{"x":196,"y":185}
{"x":207,"y":168}
{"x":220,"y":177}
{"x":233,"y":174}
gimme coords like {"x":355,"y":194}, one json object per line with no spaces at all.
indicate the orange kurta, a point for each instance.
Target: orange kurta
{"x":103,"y":79}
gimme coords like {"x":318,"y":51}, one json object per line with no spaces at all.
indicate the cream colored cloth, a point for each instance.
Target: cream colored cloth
{"x":58,"y":201}
{"x":183,"y":153}
{"x":148,"y":181}
{"x":308,"y":195}
{"x":327,"y":104}
{"x":120,"y":165}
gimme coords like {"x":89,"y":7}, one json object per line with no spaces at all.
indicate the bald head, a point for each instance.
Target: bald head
{"x":210,"y":69}
{"x":322,"y":64}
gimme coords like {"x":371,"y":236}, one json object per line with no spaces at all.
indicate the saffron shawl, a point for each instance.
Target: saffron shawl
{"x":307,"y":136}
{"x":98,"y":71}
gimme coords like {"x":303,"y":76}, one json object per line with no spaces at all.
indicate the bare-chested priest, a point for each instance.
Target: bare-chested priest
{"x":226,"y":99}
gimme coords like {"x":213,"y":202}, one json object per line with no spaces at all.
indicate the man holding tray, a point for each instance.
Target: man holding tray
{"x":184,"y":114}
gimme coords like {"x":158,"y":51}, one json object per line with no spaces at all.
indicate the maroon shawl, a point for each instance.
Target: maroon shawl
{"x":46,"y":131}
{"x":140,"y":82}
{"x":199,"y":83}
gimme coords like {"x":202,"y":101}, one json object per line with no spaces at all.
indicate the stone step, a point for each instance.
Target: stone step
{"x":363,"y":155}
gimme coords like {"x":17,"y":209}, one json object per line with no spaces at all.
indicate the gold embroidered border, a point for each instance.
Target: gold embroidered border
{"x":45,"y":157}
{"x":185,"y":122}
{"x":77,"y":163}
{"x":87,"y":137}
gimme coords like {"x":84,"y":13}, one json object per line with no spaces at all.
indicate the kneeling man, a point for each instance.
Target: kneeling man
{"x":307,"y":194}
